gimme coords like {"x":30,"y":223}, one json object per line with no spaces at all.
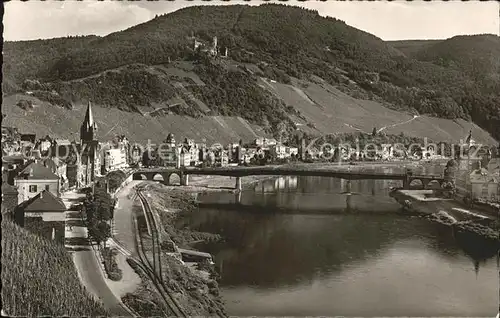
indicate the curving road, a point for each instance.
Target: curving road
{"x":123,"y":226}
{"x":92,"y":277}
{"x":90,"y":271}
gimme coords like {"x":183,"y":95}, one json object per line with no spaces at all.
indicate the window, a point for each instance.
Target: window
{"x":47,"y":187}
{"x":33,"y":188}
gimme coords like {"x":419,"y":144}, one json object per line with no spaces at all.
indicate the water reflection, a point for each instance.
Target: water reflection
{"x":311,"y":194}
{"x":359,"y":258}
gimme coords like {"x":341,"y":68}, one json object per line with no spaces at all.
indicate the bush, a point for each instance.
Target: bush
{"x":110,"y":265}
{"x":25,"y":104}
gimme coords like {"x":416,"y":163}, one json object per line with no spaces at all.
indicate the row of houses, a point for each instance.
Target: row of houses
{"x":36,"y":172}
{"x":190,"y":153}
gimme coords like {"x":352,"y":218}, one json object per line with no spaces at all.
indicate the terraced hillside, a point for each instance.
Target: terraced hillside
{"x":292,"y":70}
{"x":65,"y":123}
{"x":39,"y":278}
{"x":320,"y":108}
{"x":333,"y":111}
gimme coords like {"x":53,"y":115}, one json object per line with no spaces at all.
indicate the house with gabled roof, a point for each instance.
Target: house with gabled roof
{"x":44,"y":214}
{"x":35,"y":178}
{"x":45,"y":205}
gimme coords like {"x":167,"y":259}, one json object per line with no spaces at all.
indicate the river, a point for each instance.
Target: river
{"x":300,"y":246}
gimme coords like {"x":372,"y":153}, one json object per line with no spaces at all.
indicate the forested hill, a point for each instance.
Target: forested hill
{"x":445,"y":79}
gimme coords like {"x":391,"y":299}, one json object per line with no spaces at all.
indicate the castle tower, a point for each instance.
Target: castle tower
{"x":214,"y":46}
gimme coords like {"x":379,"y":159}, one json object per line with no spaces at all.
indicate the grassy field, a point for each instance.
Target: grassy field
{"x":39,"y":278}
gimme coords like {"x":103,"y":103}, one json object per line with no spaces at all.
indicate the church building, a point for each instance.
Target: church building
{"x":90,"y":149}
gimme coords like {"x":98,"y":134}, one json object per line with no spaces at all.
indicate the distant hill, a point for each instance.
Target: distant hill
{"x":134,"y":70}
{"x":477,"y":56}
{"x":411,"y":47}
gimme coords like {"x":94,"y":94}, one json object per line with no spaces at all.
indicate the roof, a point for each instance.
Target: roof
{"x":50,"y":164}
{"x":8,"y":189}
{"x":36,"y":171}
{"x":61,"y":142}
{"x":45,"y":201}
{"x":14,"y":158}
{"x":89,"y":118}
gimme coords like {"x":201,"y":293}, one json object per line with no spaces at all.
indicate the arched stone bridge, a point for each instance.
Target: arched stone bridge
{"x":168,"y":175}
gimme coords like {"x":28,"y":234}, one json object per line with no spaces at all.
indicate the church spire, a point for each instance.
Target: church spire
{"x":89,"y":119}
{"x":88,"y":130}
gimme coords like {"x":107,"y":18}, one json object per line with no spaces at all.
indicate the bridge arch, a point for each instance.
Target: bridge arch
{"x":433,"y":184}
{"x":174,"y":179}
{"x":417,"y":183}
{"x":159,"y":177}
{"x":139,"y":176}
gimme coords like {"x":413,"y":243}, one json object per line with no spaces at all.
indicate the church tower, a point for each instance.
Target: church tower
{"x":88,"y":140}
{"x":88,"y":129}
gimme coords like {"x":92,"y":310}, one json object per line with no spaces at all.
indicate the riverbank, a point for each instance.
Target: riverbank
{"x":471,"y":222}
{"x":195,"y":287}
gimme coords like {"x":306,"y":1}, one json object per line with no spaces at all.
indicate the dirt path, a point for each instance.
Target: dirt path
{"x":398,"y":124}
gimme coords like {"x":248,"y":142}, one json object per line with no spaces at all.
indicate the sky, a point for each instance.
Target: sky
{"x":396,"y":20}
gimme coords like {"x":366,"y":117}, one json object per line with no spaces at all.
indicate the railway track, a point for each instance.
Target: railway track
{"x":150,"y":269}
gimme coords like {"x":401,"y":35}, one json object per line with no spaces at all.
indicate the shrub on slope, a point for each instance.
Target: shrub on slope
{"x":235,"y":93}
{"x":39,"y":278}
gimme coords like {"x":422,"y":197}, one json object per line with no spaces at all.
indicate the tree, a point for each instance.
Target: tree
{"x":104,"y":204}
{"x":115,"y":178}
{"x":100,"y":231}
{"x":374,"y":132}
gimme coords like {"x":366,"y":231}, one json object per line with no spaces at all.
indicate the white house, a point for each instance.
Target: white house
{"x":115,"y":158}
{"x":279,"y":151}
{"x":484,"y":185}
{"x":35,"y":178}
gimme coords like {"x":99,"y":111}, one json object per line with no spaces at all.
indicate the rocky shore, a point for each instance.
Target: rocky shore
{"x":466,"y":222}
{"x":194,"y":286}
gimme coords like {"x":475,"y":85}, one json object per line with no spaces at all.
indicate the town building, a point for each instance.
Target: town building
{"x":11,"y":148}
{"x":135,"y":155}
{"x":114,"y":159}
{"x":35,"y":178}
{"x":264,"y":142}
{"x":116,"y":155}
{"x":483,"y":185}
{"x":61,"y":148}
{"x":387,"y":152}
{"x":10,"y":134}
{"x":169,"y":152}
{"x":184,"y":157}
{"x":59,"y":168}
{"x":44,"y":215}
{"x":192,"y":148}
{"x":292,"y":151}
{"x":44,"y":145}
{"x":494,"y":164}
{"x":278,"y":151}
{"x":221,"y":158}
{"x":28,"y":140}
{"x":45,"y":205}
